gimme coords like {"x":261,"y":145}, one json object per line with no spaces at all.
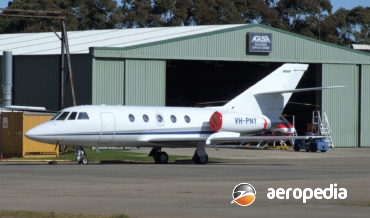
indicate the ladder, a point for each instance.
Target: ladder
{"x":320,"y":126}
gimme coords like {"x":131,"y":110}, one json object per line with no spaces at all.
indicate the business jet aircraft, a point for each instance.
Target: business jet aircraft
{"x":254,"y":111}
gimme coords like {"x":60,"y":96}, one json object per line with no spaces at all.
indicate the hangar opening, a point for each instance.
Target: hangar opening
{"x":210,"y":83}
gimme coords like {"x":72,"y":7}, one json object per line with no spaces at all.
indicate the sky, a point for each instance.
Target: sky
{"x":347,"y":4}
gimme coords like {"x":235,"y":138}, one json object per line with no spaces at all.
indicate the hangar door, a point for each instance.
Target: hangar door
{"x":108,"y":81}
{"x":365,"y":105}
{"x":145,"y":82}
{"x":342,"y":104}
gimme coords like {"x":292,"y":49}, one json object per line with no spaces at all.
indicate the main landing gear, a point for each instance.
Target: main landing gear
{"x":159,"y":156}
{"x":200,"y":156}
{"x":81,"y":156}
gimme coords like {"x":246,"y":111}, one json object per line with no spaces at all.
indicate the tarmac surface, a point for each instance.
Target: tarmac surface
{"x":183,"y":189}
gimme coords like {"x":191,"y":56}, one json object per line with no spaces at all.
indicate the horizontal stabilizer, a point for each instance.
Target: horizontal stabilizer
{"x":299,"y":90}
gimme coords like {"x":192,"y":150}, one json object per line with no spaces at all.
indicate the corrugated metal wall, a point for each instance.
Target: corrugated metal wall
{"x":14,"y":143}
{"x":129,"y":82}
{"x":11,"y":134}
{"x":37,"y":80}
{"x":108,"y":81}
{"x":342,"y":105}
{"x":145,"y":82}
{"x":32,"y":148}
{"x":365,"y":106}
{"x":231,"y":44}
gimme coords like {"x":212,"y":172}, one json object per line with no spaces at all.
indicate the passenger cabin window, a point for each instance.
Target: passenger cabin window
{"x":173,"y":119}
{"x":187,"y":119}
{"x":63,"y":116}
{"x":131,"y":118}
{"x":72,"y":116}
{"x":159,"y":119}
{"x":145,"y":118}
{"x":83,"y":116}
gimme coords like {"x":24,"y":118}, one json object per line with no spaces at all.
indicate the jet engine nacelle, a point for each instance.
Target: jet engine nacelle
{"x":286,"y":129}
{"x":237,"y":122}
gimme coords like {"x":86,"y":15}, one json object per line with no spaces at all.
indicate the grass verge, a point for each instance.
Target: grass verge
{"x":106,"y":156}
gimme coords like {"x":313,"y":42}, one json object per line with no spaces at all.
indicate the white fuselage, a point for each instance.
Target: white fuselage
{"x":256,"y":109}
{"x":131,"y":126}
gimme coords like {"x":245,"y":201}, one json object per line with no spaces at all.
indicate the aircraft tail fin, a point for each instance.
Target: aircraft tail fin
{"x":270,"y":95}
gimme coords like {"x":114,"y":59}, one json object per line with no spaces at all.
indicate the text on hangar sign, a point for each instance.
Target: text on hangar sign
{"x":259,"y":42}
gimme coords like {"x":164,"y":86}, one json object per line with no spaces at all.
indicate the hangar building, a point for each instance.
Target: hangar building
{"x":187,"y":66}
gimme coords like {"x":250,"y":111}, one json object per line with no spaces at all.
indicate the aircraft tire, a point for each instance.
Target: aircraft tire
{"x":313,"y":147}
{"x":296,"y":147}
{"x":84,"y":161}
{"x":200,"y":160}
{"x":160,"y":157}
{"x":203,"y":159}
{"x":163,"y":158}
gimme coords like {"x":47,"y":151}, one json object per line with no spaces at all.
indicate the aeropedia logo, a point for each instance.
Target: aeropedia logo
{"x":244,"y":194}
{"x":333,"y":192}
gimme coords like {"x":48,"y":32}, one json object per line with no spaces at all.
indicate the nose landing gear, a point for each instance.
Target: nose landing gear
{"x":81,"y":156}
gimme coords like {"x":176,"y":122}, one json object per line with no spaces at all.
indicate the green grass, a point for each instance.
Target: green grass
{"x":107,"y":156}
{"x":112,"y":156}
{"x":31,"y":214}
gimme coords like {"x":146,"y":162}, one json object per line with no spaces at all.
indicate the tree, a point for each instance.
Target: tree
{"x":259,"y":12}
{"x":140,"y":13}
{"x":79,"y":15}
{"x":312,"y":18}
{"x":24,"y":24}
{"x":305,"y":16}
{"x":352,"y":26}
{"x":359,"y":22}
{"x":96,"y":14}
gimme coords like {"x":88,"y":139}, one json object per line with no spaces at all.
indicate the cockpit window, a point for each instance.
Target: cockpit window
{"x":83,"y":116}
{"x":63,"y":116}
{"x":72,"y":116}
{"x":56,"y":115}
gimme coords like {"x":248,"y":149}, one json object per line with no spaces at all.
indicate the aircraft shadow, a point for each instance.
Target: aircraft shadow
{"x":190,"y":162}
{"x":175,"y":162}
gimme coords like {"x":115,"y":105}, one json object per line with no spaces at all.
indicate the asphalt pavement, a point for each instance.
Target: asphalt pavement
{"x":184,"y":189}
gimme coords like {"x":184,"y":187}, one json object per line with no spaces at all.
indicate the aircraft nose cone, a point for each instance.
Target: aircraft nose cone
{"x":41,"y":133}
{"x":32,"y":133}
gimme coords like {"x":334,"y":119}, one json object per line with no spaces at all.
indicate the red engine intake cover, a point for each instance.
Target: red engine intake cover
{"x":215,"y":122}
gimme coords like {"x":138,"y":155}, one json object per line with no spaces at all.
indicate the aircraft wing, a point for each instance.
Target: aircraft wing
{"x":225,"y":137}
{"x":177,"y":142}
{"x":259,"y":139}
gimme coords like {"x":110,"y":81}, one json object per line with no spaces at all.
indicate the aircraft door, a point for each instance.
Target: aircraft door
{"x":108,"y":127}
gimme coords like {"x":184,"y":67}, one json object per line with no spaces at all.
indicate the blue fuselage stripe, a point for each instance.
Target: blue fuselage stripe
{"x":135,"y":133}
